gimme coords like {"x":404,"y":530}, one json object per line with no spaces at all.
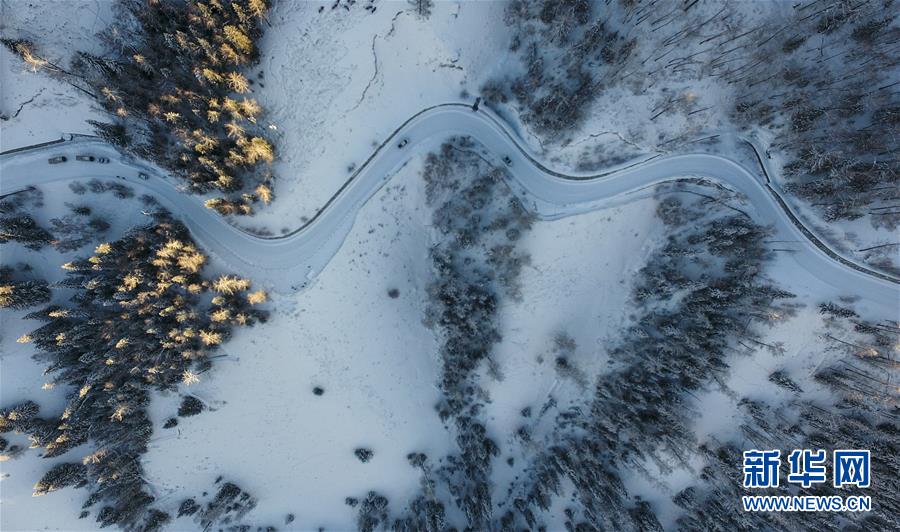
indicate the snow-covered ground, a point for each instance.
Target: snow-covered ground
{"x":335,"y":83}
{"x":33,"y":107}
{"x":339,"y":82}
{"x":22,"y":378}
{"x":373,"y":357}
{"x":370,"y":353}
{"x":375,"y":360}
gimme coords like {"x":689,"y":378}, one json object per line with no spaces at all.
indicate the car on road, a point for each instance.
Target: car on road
{"x":507,"y":161}
{"x":402,"y":143}
{"x":143,"y":176}
{"x":58,"y":159}
{"x":91,"y":159}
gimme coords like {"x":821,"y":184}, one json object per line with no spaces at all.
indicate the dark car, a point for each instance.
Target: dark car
{"x":57,"y":159}
{"x":402,"y":143}
{"x":507,"y":161}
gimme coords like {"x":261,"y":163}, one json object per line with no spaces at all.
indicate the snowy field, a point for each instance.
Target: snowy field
{"x":358,"y":76}
{"x":374,"y":359}
{"x":336,"y":83}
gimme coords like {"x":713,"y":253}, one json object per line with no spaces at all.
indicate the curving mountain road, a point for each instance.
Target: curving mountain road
{"x":296,"y":258}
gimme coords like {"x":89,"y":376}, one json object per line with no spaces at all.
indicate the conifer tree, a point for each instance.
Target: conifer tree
{"x":139,"y":321}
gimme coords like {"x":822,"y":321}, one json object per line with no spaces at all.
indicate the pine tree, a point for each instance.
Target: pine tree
{"x":23,"y":229}
{"x":21,"y":294}
{"x":139,"y":321}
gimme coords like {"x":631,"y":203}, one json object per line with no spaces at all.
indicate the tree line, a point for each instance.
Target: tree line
{"x":173,"y":79}
{"x":142,"y":317}
{"x":700,"y":295}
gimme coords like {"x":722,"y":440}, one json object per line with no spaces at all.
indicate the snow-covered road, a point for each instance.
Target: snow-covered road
{"x":294,"y":259}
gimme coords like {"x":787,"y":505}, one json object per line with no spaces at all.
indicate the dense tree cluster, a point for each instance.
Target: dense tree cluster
{"x":229,"y":505}
{"x":833,"y":102}
{"x":78,"y":228}
{"x":373,"y":512}
{"x":173,"y":83}
{"x":143,"y":317}
{"x":699,"y":296}
{"x":861,"y":413}
{"x":475,"y":264}
{"x":569,"y":53}
{"x":425,"y":511}
{"x":24,"y":229}
{"x":819,"y":75}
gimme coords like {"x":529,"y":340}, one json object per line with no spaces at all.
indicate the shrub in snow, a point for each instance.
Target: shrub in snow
{"x":190,"y":406}
{"x":373,"y":513}
{"x":363,"y":454}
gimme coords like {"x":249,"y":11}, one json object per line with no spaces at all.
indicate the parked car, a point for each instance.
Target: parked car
{"x":143,"y":176}
{"x":102,"y":160}
{"x":58,"y":159}
{"x":85,"y":158}
{"x":402,"y":143}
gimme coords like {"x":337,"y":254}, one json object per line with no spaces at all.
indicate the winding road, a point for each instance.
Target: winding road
{"x":294,"y":259}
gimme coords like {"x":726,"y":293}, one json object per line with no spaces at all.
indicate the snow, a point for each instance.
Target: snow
{"x":624,"y":120}
{"x":375,"y":359}
{"x":46,"y":108}
{"x":21,"y":377}
{"x":372,"y":354}
{"x":578,"y":284}
{"x":330,"y":106}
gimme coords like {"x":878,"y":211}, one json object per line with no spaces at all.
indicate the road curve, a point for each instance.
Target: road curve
{"x":292,"y":260}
